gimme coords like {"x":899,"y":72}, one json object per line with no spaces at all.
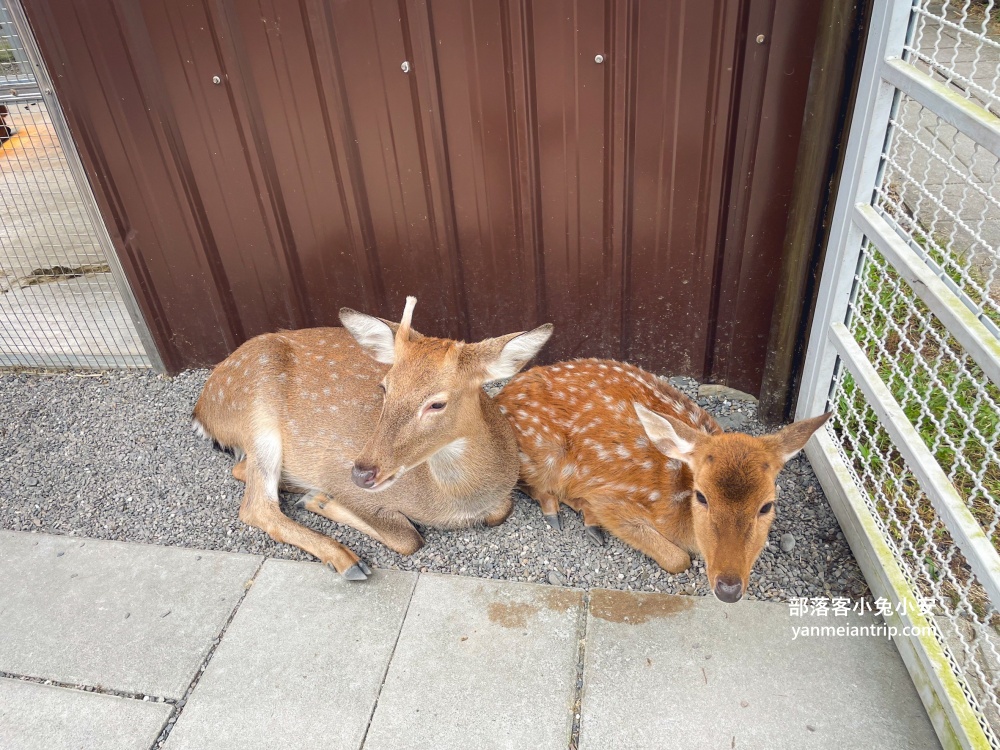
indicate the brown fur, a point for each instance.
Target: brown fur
{"x":582,"y":444}
{"x":306,"y":406}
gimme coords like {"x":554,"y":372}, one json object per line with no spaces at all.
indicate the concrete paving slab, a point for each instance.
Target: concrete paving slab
{"x":132,"y":618}
{"x":669,"y":671}
{"x":481,"y":664}
{"x":301,"y":663}
{"x":42,"y":717}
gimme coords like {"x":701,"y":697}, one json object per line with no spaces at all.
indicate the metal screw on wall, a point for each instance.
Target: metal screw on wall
{"x":216,"y":80}
{"x":760,"y":39}
{"x":599,"y":59}
{"x":405,"y":67}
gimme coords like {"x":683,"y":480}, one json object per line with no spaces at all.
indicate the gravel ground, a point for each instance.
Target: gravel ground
{"x":112,"y":456}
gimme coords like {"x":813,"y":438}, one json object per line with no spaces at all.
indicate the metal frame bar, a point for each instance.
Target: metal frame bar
{"x":79,"y":174}
{"x":977,"y":123}
{"x":961,"y":322}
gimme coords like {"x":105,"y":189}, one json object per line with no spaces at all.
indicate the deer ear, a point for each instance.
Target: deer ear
{"x":790,"y":440}
{"x":373,"y":334}
{"x":503,"y":356}
{"x":671,"y":437}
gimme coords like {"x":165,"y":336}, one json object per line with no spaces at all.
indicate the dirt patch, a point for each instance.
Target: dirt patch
{"x":635,"y":609}
{"x":561,"y":600}
{"x":511,"y":614}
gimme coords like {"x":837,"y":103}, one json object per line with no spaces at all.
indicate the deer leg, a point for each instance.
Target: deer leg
{"x":240,"y":474}
{"x":502,"y":513}
{"x":549,"y":503}
{"x":260,"y":508}
{"x":650,"y":542}
{"x":389,"y":527}
{"x":593,"y":527}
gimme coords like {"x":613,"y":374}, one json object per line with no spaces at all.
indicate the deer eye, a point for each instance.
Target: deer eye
{"x":701,"y":498}
{"x":437,"y":406}
{"x":766,"y":508}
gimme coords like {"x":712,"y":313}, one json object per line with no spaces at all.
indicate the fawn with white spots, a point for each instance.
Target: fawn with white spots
{"x":377,"y":424}
{"x":643,"y":461}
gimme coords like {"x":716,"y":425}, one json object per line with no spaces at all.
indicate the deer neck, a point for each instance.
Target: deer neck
{"x":455,"y":467}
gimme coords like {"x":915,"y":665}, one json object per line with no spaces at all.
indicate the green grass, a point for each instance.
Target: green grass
{"x":6,"y":52}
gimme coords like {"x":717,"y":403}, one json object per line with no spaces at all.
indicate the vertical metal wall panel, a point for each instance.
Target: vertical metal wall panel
{"x":775,"y":82}
{"x":506,"y":177}
{"x":582,"y":292}
{"x":684,"y":77}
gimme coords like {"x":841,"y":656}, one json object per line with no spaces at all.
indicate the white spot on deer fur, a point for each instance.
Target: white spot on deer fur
{"x":647,"y":465}
{"x":641,"y":443}
{"x":326,"y":391}
{"x":567,"y":471}
{"x":503,"y":409}
{"x":654,"y":495}
{"x":569,"y":367}
{"x":523,"y":457}
{"x":622,"y":451}
{"x":282,"y":377}
{"x":616,"y":368}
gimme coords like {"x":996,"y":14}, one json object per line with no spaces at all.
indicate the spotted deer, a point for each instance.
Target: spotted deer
{"x":644,"y":462}
{"x":379,"y":426}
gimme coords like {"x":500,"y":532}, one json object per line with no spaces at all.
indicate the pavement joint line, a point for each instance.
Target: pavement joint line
{"x":581,"y":655}
{"x":388,"y":664}
{"x":82,"y":688}
{"x":178,"y":707}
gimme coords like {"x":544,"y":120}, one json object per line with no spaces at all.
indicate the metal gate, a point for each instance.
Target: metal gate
{"x":64,"y":302}
{"x":904,"y":350}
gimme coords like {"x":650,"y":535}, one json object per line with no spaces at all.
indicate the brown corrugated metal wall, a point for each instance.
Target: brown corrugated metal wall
{"x":507,"y":179}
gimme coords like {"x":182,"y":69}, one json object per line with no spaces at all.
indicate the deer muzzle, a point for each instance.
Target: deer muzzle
{"x":729,"y":589}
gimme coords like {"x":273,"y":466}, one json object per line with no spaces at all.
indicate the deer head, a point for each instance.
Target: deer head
{"x":733,"y":490}
{"x":431,"y":391}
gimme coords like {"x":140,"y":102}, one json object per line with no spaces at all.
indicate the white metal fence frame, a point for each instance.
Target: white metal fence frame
{"x":874,"y":463}
{"x":30,"y":82}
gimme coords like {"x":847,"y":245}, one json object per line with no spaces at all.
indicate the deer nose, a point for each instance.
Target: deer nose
{"x":363,"y":476}
{"x":729,"y":589}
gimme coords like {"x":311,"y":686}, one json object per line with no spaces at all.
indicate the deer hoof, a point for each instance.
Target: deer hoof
{"x":597,"y":534}
{"x":553,"y":521}
{"x":356,"y":572}
{"x":364,"y":567}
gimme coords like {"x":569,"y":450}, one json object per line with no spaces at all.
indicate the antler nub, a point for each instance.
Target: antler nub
{"x":403,"y":334}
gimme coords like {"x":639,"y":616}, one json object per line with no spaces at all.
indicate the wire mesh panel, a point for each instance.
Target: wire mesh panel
{"x":905,"y":349}
{"x":61,"y":303}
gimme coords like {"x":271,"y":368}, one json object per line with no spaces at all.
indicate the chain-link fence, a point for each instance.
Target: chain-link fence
{"x":905,"y":348}
{"x":63,"y":301}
